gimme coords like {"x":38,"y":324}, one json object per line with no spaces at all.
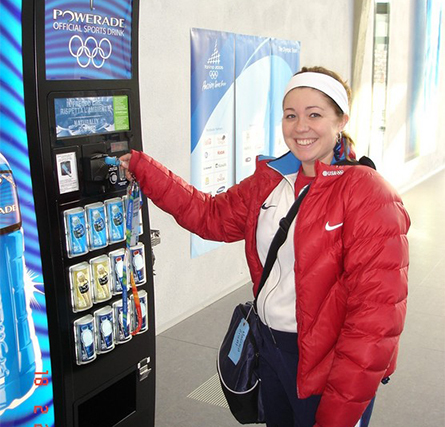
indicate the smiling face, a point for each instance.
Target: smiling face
{"x":310,"y":126}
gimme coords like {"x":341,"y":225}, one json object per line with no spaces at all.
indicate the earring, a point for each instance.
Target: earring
{"x":339,"y":137}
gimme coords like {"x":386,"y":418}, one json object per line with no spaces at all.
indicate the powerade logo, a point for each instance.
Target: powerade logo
{"x":5,"y":210}
{"x":214,"y":67}
{"x":87,"y":18}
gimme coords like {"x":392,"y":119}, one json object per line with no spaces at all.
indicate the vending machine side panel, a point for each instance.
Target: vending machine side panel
{"x":26,"y":392}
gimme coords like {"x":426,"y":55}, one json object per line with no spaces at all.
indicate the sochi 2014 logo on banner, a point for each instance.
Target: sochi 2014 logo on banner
{"x":89,"y":39}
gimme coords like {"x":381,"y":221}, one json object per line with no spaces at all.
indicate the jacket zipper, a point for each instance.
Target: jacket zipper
{"x":276,"y":284}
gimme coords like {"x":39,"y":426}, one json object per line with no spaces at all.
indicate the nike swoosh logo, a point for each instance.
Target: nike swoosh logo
{"x":332,"y":227}
{"x":267,"y":207}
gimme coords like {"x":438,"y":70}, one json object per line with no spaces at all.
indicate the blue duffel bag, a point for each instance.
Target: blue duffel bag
{"x":237,"y":364}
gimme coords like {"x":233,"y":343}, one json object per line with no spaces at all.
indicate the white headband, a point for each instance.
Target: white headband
{"x":324,"y":83}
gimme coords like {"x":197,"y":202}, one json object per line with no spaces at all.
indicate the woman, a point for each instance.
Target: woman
{"x":334,"y":305}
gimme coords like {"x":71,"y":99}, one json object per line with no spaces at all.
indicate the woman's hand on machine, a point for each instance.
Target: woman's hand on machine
{"x":125,"y":164}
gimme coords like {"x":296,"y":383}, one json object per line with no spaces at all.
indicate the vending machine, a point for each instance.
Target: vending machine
{"x":77,"y":341}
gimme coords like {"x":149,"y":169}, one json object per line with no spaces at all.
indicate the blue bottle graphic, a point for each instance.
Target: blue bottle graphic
{"x":17,"y":358}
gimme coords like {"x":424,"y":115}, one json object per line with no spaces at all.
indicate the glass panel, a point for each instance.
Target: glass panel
{"x":379,"y":79}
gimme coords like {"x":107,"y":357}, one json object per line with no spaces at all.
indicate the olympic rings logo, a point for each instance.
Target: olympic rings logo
{"x":90,"y":49}
{"x":213,"y":74}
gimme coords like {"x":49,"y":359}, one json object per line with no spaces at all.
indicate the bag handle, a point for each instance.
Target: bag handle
{"x":280,"y":238}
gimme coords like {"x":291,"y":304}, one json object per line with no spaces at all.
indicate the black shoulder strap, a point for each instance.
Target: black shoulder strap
{"x":283,"y":229}
{"x":280,"y":238}
{"x":365,"y":161}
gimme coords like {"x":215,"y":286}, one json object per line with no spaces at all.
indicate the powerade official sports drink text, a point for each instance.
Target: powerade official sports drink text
{"x":17,"y":358}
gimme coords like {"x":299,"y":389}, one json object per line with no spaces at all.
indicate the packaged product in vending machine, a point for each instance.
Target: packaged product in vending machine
{"x":104,"y":327}
{"x":122,"y":333}
{"x":76,"y":232}
{"x":80,"y":279}
{"x":84,"y":339}
{"x":115,"y":220}
{"x":117,"y":259}
{"x":137,"y":260}
{"x":97,"y":230}
{"x":143,"y":302}
{"x":101,"y":282}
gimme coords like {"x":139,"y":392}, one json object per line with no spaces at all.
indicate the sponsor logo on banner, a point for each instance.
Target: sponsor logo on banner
{"x":220,"y":178}
{"x":207,"y":168}
{"x":207,"y":155}
{"x":207,"y":181}
{"x":220,"y":152}
{"x":221,"y":139}
{"x":221,"y":165}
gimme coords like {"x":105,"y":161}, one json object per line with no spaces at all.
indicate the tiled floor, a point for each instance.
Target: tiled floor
{"x":415,"y":396}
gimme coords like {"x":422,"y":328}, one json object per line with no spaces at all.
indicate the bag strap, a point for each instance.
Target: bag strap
{"x":279,"y":239}
{"x":364,"y":161}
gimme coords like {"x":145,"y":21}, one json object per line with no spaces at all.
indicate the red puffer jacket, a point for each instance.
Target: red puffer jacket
{"x":351,"y":269}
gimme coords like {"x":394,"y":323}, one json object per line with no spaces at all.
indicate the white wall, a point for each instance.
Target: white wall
{"x":324,"y":28}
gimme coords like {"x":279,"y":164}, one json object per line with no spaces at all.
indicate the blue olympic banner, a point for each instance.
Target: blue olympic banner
{"x":285,"y":62}
{"x":26,"y":394}
{"x":212,"y":109}
{"x":89,"y":39}
{"x":237,"y":86}
{"x":252,"y":101}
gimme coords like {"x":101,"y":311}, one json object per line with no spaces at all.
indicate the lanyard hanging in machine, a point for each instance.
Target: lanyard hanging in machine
{"x":131,"y":239}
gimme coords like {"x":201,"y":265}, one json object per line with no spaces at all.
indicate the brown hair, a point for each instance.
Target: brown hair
{"x":348,"y":141}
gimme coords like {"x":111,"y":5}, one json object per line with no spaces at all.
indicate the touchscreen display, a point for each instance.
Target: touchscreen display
{"x":91,"y":115}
